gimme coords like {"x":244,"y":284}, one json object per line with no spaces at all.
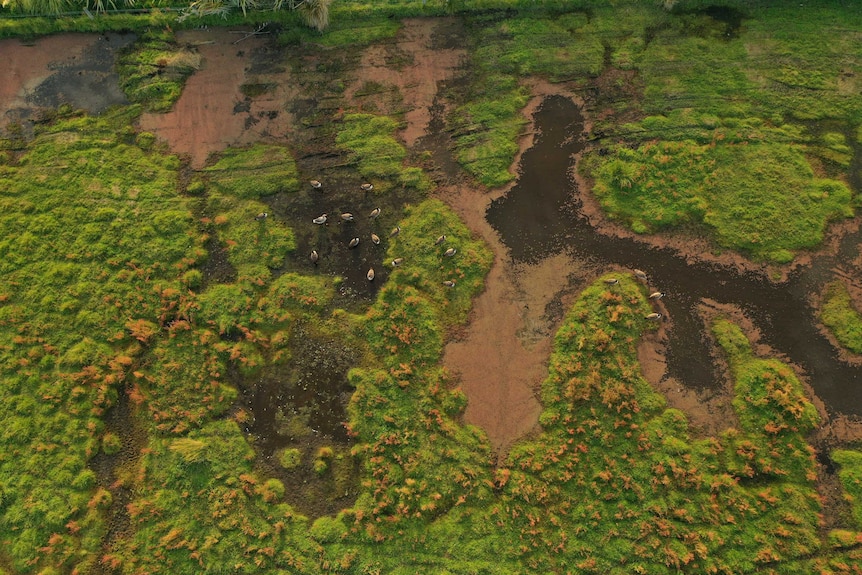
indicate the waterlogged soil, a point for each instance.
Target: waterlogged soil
{"x":72,"y":69}
{"x":548,"y":236}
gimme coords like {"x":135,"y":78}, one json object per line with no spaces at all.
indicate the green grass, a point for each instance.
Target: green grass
{"x":488,"y":126}
{"x":91,"y":224}
{"x":154,"y":69}
{"x":255,"y":172}
{"x":236,"y":183}
{"x":615,"y":484}
{"x":760,"y":198}
{"x":201,"y":507}
{"x":706,"y":96}
{"x":841,"y":318}
{"x":379,"y":157}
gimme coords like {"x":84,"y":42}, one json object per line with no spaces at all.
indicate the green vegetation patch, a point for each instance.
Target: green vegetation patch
{"x":201,"y":507}
{"x":615,"y":483}
{"x":377,"y":154}
{"x":760,"y":198}
{"x":346,"y":31}
{"x":254,"y":172}
{"x":840,"y":316}
{"x":256,"y":241}
{"x":91,"y":224}
{"x":487,"y":127}
{"x":154,"y":69}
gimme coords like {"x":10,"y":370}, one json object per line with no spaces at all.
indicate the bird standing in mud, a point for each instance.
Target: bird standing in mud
{"x":367,"y":187}
{"x":320,"y":220}
{"x":316,"y":184}
{"x":374,"y":213}
{"x":353,"y":243}
{"x":314,"y":257}
{"x":656,"y":295}
{"x":375,"y":239}
{"x":347,"y":217}
{"x":370,"y":275}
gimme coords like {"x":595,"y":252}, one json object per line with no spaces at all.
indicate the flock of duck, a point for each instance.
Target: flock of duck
{"x":322,"y":219}
{"x":654,"y":296}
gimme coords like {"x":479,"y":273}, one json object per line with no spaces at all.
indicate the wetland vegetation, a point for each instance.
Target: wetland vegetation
{"x":209,"y":399}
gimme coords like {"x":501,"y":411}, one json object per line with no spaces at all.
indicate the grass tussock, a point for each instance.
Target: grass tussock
{"x":659,"y":501}
{"x":379,"y":157}
{"x":154,"y":69}
{"x":757,"y":197}
{"x":93,"y":224}
{"x":236,"y":182}
{"x":841,"y":318}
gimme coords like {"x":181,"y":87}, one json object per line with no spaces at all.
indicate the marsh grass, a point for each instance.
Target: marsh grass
{"x":237,"y":182}
{"x":209,"y":510}
{"x":92,"y":223}
{"x":378,"y":156}
{"x":504,"y":50}
{"x":756,"y":197}
{"x":658,"y":500}
{"x":840,"y":316}
{"x":154,"y":69}
{"x":760,"y":88}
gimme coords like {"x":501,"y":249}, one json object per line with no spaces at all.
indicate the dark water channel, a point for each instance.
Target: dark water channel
{"x":538,"y":218}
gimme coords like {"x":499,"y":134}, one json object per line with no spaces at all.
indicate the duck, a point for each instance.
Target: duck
{"x":440,"y":240}
{"x":353,"y":243}
{"x":320,"y":220}
{"x":314,"y":257}
{"x":374,"y":213}
{"x":656,"y":295}
{"x":655,"y":316}
{"x":450,"y":252}
{"x":449,"y":283}
{"x":375,"y":239}
{"x":261,"y":216}
{"x":397,"y":262}
{"x":316,"y":184}
{"x":367,"y":187}
{"x":395,"y":231}
{"x":347,"y":217}
{"x":370,"y":275}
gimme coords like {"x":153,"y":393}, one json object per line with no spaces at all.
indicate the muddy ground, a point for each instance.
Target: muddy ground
{"x":514,"y":319}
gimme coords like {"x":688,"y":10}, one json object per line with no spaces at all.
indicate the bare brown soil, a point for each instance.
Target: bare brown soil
{"x":26,"y":65}
{"x":415,"y":67}
{"x":213,"y":113}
